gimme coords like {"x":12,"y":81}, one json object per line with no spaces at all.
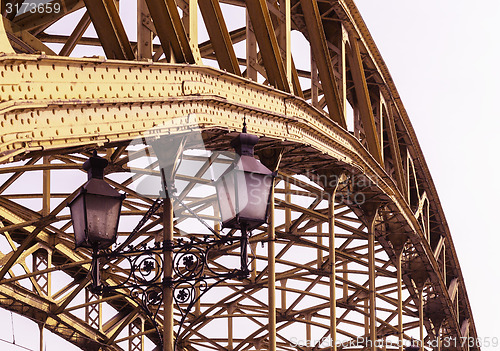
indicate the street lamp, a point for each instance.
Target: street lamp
{"x":244,"y":189}
{"x":95,"y":211}
{"x":244,"y":194}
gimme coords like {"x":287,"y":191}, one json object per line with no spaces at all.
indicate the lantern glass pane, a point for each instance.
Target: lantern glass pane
{"x":77,"y":208}
{"x":102,"y":218}
{"x":226,"y":194}
{"x":253,"y":196}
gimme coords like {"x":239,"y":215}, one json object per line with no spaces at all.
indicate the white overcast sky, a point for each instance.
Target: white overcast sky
{"x":443,"y":56}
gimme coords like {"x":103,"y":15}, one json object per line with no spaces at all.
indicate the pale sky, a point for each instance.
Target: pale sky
{"x":442,"y":55}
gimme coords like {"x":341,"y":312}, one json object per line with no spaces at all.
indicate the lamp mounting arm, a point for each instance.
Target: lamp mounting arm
{"x":143,"y":283}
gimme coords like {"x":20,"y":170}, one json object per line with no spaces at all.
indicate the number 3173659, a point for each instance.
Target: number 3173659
{"x":50,"y":7}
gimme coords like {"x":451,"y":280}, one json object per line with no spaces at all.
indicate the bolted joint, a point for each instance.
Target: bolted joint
{"x":168,"y":282}
{"x":168,"y":246}
{"x":97,"y":289}
{"x":242,"y":274}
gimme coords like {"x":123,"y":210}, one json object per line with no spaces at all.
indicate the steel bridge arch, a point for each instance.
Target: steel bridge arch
{"x":339,"y":119}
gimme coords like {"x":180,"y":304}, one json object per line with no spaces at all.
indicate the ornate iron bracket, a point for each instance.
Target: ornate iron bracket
{"x":142,"y":279}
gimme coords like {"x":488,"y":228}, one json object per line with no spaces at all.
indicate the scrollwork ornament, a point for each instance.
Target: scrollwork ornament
{"x":184,"y":294}
{"x":189,"y":262}
{"x":192,"y":277}
{"x":147,"y":267}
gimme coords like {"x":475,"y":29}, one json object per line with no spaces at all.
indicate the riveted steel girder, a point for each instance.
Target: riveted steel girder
{"x":107,"y":23}
{"x":321,"y":54}
{"x":268,"y":43}
{"x":170,"y":30}
{"x":219,"y":35}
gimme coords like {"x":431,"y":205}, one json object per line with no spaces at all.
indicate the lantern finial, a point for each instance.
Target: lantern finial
{"x":244,"y":130}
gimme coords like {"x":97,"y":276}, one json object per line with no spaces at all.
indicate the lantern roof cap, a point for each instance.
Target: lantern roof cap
{"x":244,"y":143}
{"x":100,"y":187}
{"x":95,"y":166}
{"x":250,"y":164}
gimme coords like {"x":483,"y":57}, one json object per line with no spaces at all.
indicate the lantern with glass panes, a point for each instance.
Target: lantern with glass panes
{"x":244,"y":191}
{"x":95,"y":211}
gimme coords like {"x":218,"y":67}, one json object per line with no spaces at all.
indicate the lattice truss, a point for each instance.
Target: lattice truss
{"x":234,"y":315}
{"x":309,"y":80}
